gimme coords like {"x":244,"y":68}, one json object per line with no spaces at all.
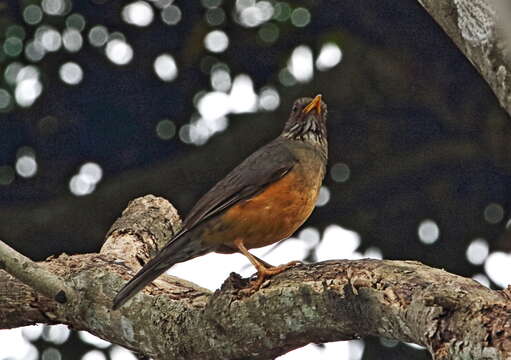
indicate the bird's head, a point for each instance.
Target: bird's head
{"x":307,"y":121}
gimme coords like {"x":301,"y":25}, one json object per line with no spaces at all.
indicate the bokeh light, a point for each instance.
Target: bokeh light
{"x":98,"y":35}
{"x":94,"y":355}
{"x":338,"y":243}
{"x":55,"y":7}
{"x":310,"y":236}
{"x":215,"y":16}
{"x":26,"y":166}
{"x":201,"y":129}
{"x":34,"y":51}
{"x":166,"y":129}
{"x":5,"y":100}
{"x":27,"y":72}
{"x":214,"y":105}
{"x":497,"y":267}
{"x":482,"y":279}
{"x":32,"y":14}
{"x":216,"y":41}
{"x":329,"y":56}
{"x":50,"y":39}
{"x":89,"y":338}
{"x":286,"y":78}
{"x":242,"y":96}
{"x":478,"y":251}
{"x":300,"y":64}
{"x":165,"y":67}
{"x":33,"y":332}
{"x":300,"y":17}
{"x":75,"y":21}
{"x":494,"y":213}
{"x":281,"y":11}
{"x":323,"y":197}
{"x":13,"y":46}
{"x":27,"y":91}
{"x":221,"y":78}
{"x":11,"y":72}
{"x":56,"y":334}
{"x":269,"y":33}
{"x":84,"y":183}
{"x":51,"y":354}
{"x":72,"y":40}
{"x":252,"y":14}
{"x":340,"y":172}
{"x":6,"y":175}
{"x":71,"y":73}
{"x":119,"y":52}
{"x":171,"y":15}
{"x":14,"y":346}
{"x":373,"y":252}
{"x":93,"y":171}
{"x":138,"y":13}
{"x":120,"y":353}
{"x":428,"y":231}
{"x":81,"y":185}
{"x":269,"y":99}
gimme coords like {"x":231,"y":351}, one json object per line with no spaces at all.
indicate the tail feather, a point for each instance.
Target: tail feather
{"x":177,"y":250}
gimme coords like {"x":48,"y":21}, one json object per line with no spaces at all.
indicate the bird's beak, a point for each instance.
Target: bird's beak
{"x":315,"y":103}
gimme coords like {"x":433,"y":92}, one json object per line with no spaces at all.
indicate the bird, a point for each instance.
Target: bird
{"x":263,"y":200}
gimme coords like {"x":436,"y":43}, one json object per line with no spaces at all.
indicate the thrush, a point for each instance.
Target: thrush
{"x":263,"y":200}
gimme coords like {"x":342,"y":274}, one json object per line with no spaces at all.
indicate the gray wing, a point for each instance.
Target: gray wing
{"x":262,"y":168}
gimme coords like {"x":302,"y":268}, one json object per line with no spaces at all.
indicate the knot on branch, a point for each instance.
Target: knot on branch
{"x":144,"y":227}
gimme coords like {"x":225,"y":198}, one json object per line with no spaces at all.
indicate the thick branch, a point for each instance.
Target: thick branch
{"x":452,"y":316}
{"x":477,"y":30}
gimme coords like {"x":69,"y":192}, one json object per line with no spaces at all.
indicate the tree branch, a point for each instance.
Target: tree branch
{"x":479,"y":31}
{"x":35,"y":275}
{"x":453,"y":317}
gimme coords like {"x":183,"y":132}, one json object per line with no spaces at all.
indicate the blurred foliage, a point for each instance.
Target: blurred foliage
{"x":418,"y":130}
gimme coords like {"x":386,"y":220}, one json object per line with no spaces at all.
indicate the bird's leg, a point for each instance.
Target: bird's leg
{"x":267,"y":265}
{"x":263,"y":270}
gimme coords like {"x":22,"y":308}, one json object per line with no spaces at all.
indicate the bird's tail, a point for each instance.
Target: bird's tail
{"x":177,"y":250}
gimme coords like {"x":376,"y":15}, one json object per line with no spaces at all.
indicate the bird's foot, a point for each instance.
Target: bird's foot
{"x":265,"y":272}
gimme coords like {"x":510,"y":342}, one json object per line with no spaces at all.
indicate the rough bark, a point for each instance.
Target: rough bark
{"x":453,"y":317}
{"x":481,"y":30}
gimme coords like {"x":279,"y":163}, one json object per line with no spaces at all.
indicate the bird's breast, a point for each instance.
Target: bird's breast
{"x":273,"y":214}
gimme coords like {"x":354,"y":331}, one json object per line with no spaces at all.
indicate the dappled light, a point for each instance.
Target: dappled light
{"x":101,"y":102}
{"x":138,"y":13}
{"x":428,"y":232}
{"x":119,"y":52}
{"x":71,"y":73}
{"x":340,"y":172}
{"x":165,"y":67}
{"x":216,"y":41}
{"x":477,"y":251}
{"x":94,"y":355}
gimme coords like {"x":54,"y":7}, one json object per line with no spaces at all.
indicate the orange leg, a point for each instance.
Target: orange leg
{"x":264,"y":269}
{"x":261,"y":261}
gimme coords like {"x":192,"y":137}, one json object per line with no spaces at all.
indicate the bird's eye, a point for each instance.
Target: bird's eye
{"x":295,"y":108}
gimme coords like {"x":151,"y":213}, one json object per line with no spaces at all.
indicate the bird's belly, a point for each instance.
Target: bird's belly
{"x":268,"y":217}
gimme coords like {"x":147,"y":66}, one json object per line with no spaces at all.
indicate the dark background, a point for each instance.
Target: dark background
{"x":421,"y":132}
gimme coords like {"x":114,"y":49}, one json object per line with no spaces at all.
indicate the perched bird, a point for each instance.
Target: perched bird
{"x":261,"y":201}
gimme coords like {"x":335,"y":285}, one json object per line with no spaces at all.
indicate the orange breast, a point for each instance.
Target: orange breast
{"x":270,"y":216}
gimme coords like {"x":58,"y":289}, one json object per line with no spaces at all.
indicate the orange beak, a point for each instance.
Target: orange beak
{"x":315,"y":103}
